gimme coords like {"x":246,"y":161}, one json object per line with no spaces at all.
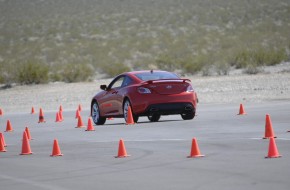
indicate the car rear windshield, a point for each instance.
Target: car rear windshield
{"x":155,"y":75}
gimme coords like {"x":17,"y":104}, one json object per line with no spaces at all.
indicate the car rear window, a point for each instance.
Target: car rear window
{"x":156,"y":75}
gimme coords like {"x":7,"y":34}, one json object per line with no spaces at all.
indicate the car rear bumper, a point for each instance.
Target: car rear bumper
{"x":165,"y":104}
{"x":169,"y":108}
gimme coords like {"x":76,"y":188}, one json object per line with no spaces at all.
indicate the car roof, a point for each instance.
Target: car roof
{"x":144,"y":71}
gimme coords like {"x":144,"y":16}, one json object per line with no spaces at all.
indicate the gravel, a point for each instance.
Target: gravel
{"x":238,"y":88}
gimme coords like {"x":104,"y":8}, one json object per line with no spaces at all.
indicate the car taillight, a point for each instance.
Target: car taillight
{"x":143,"y":90}
{"x":189,"y":89}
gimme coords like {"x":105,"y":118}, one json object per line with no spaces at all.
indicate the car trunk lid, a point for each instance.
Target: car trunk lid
{"x":167,"y":87}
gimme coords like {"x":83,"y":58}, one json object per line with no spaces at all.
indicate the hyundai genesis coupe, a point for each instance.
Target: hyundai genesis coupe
{"x":149,"y":93}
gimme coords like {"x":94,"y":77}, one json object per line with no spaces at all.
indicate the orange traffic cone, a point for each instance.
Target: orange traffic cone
{"x":41,"y":116}
{"x":1,"y":112}
{"x":80,"y":122}
{"x":130,"y":120}
{"x":90,"y":126}
{"x":28,"y":133}
{"x":273,"y":150}
{"x":3,"y":140}
{"x":32,"y":110}
{"x":77,"y":114}
{"x":25,"y":145}
{"x":60,"y":108}
{"x":57,"y":117}
{"x":60,"y":116}
{"x":9,"y":126}
{"x":122,"y":153}
{"x":195,"y":153}
{"x":242,"y":111}
{"x":110,"y":118}
{"x":55,"y":149}
{"x":80,"y":107}
{"x":60,"y":113}
{"x":269,"y":132}
{"x":2,"y":147}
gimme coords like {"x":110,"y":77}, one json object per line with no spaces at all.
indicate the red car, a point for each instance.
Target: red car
{"x":148,"y":93}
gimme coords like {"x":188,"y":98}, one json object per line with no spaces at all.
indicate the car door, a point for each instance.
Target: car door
{"x":112,"y":102}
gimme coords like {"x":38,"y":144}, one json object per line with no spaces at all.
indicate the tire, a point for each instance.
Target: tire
{"x":188,"y":115}
{"x":154,"y":117}
{"x":125,"y":111}
{"x":98,"y":120}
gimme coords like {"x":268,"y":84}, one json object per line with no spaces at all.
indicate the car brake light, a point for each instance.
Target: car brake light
{"x":189,"y":89}
{"x":143,"y":90}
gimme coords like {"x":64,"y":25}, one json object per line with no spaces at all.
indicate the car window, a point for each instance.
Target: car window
{"x":117,"y":83}
{"x":127,"y":81}
{"x":156,"y":75}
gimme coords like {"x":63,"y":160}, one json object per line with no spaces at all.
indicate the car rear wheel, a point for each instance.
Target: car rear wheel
{"x":154,"y":117}
{"x":188,"y":115}
{"x":98,"y":120}
{"x":125,"y":111}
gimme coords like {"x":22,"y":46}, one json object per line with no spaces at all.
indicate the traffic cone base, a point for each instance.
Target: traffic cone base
{"x":122,"y":153}
{"x":195,"y":152}
{"x":269,"y":137}
{"x":56,"y":150}
{"x":242,"y":111}
{"x":130,"y":120}
{"x":9,"y":126}
{"x":196,"y":156}
{"x":273,"y":150}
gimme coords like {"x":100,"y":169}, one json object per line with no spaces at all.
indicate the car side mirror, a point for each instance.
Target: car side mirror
{"x":103,"y":87}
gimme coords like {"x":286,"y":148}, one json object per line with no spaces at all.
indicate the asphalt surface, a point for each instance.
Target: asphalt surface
{"x":232,"y":144}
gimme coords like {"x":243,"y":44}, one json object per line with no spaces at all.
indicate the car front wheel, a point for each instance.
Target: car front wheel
{"x":98,"y":120}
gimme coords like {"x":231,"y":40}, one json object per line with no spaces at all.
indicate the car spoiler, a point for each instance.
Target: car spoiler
{"x":166,"y":80}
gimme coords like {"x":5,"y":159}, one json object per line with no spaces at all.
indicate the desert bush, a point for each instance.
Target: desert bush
{"x":32,"y":72}
{"x":7,"y":73}
{"x":112,"y":70}
{"x":74,"y":72}
{"x":193,"y":65}
{"x":252,"y":69}
{"x":165,"y":62}
{"x":222,"y":68}
{"x":259,"y":57}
